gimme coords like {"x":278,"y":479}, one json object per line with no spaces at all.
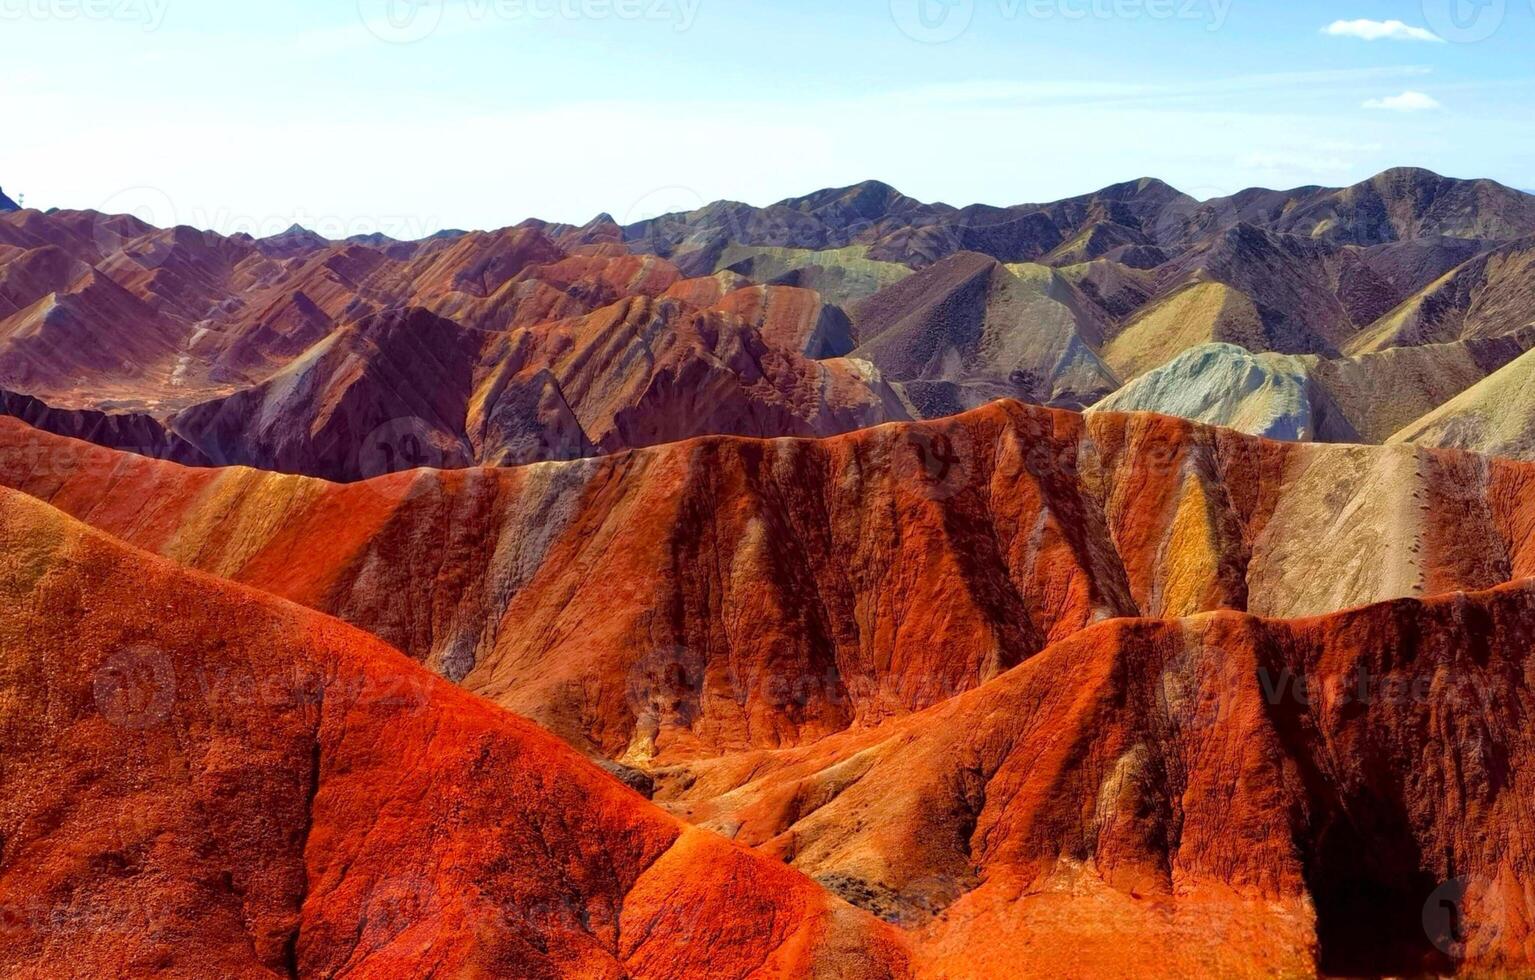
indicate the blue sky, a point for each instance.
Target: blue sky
{"x":412,"y":115}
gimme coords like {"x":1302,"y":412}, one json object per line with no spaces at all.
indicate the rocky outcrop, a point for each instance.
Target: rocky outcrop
{"x":1339,"y":795}
{"x":1269,"y":395}
{"x":130,"y":432}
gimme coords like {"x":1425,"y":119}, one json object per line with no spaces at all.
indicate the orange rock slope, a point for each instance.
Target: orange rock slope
{"x":1215,"y":796}
{"x":784,"y":590}
{"x":218,"y":782}
{"x":200,"y":780}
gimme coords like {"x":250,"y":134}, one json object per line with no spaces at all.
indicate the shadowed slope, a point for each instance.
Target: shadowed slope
{"x":106,"y":313}
{"x":204,"y":781}
{"x":1219,"y":796}
{"x":407,"y":388}
{"x":1492,"y":295}
{"x":989,"y":331}
{"x":1397,"y":204}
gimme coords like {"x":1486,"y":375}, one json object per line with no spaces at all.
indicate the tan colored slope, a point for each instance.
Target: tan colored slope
{"x":843,"y":275}
{"x":1495,"y":416}
{"x":987,"y":330}
{"x":1201,"y":313}
{"x":1366,"y":398}
{"x":1381,"y":392}
{"x":1491,"y":295}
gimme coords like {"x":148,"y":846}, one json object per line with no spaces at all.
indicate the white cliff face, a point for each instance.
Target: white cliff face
{"x":1270,"y":395}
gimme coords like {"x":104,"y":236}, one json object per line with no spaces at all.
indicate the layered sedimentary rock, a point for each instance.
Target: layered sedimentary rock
{"x":1051,"y":303}
{"x":986,"y":331}
{"x":1036,"y":688}
{"x":1493,"y":416}
{"x":785,"y":589}
{"x":1221,"y":795}
{"x":201,"y":780}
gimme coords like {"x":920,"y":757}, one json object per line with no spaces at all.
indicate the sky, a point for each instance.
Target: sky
{"x":409,"y":116}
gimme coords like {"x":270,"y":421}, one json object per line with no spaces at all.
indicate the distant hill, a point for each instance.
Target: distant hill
{"x":815,"y":315}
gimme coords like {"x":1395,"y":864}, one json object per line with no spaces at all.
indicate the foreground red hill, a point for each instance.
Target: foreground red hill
{"x":204,"y":780}
{"x":200,"y":780}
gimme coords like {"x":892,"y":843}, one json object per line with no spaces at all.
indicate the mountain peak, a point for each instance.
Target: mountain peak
{"x":1405,"y":174}
{"x":6,"y":204}
{"x":867,"y":198}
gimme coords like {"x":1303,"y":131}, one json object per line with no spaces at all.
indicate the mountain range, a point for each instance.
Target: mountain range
{"x":851,"y":587}
{"x":813,"y":316}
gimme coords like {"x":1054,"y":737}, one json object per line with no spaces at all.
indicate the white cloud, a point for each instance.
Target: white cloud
{"x":1406,"y":102}
{"x":1380,"y":30}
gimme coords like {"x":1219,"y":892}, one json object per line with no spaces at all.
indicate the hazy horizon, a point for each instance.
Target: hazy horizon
{"x":337,"y":235}
{"x":412,"y":116}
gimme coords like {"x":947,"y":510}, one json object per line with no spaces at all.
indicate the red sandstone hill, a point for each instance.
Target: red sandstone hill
{"x":1116,"y":694}
{"x":1221,"y":794}
{"x":200,"y":780}
{"x":726,"y":594}
{"x":1216,"y":796}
